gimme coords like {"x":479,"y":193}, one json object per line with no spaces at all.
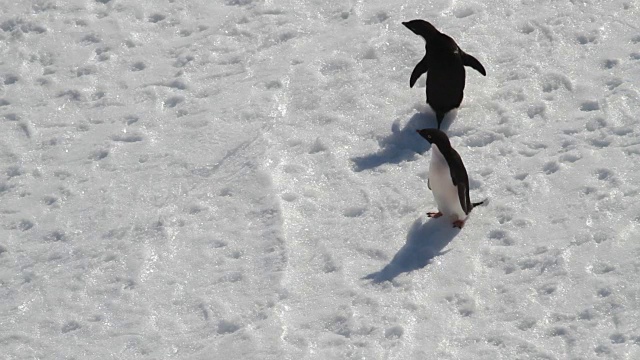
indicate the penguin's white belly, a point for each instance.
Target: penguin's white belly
{"x":444,"y":192}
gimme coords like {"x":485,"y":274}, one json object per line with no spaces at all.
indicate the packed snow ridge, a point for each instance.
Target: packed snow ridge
{"x":242,"y":179}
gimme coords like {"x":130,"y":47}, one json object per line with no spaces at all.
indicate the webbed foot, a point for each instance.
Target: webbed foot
{"x":458,"y":224}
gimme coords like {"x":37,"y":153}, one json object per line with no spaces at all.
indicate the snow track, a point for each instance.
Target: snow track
{"x":140,"y":187}
{"x":242,"y":180}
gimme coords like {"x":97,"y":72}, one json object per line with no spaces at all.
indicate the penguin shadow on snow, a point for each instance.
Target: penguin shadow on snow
{"x":403,"y":143}
{"x":425,"y":241}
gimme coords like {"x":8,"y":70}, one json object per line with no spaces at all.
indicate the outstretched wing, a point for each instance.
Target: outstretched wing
{"x":469,"y":60}
{"x":420,"y":69}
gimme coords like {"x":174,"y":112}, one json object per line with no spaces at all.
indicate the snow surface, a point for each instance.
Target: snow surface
{"x":241,"y":179}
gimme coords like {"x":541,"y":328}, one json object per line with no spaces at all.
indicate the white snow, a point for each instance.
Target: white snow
{"x":241,"y":179}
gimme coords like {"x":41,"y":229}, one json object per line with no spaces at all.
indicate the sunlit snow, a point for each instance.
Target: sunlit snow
{"x":242,"y":179}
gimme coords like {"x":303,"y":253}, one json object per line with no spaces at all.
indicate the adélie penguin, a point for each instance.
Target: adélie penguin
{"x":444,"y":64}
{"x":448,"y":179}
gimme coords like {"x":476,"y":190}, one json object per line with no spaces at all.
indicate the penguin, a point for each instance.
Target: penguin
{"x":447,"y":179}
{"x":444,"y":64}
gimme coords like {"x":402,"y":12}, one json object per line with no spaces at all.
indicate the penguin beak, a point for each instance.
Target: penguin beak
{"x":421,"y":28}
{"x":408,"y":26}
{"x":425,"y":136}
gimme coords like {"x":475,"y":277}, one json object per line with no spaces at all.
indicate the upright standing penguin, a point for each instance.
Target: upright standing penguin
{"x":448,"y":179}
{"x":444,"y":64}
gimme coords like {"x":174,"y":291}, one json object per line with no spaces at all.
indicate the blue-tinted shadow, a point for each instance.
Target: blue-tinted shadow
{"x":425,"y":241}
{"x":403,"y":143}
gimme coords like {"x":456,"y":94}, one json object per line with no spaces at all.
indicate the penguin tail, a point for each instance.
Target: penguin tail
{"x":439,"y":118}
{"x":483,"y":202}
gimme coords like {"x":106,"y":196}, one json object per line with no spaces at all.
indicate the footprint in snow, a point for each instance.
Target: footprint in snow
{"x":463,"y":303}
{"x":551,"y":167}
{"x":590,"y":105}
{"x":71,"y":326}
{"x":127,"y":138}
{"x":610,"y":63}
{"x":72,"y":95}
{"x":99,"y":154}
{"x":501,"y":237}
{"x":156,"y":18}
{"x":173,"y":101}
{"x":25,"y":224}
{"x":584,"y":39}
{"x":10,"y":79}
{"x":554,"y":81}
{"x":90,"y":39}
{"x":131,"y":119}
{"x":102,"y":53}
{"x":138,"y":66}
{"x":394,"y":332}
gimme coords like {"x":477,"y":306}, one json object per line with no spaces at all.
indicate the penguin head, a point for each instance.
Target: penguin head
{"x":422,"y":28}
{"x":435,"y":136}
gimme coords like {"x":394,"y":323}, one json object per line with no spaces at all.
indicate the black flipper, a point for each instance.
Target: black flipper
{"x":421,"y":68}
{"x":463,"y":195}
{"x":454,"y":175}
{"x":468,"y":202}
{"x":470,"y":61}
{"x":428,"y":184}
{"x":460,"y":179}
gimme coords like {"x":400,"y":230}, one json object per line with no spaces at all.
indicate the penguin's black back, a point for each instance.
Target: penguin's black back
{"x":444,"y":64}
{"x":446,"y":75}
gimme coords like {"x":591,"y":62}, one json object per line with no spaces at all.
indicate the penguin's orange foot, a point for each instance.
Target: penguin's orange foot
{"x":458,"y":224}
{"x":434,"y":215}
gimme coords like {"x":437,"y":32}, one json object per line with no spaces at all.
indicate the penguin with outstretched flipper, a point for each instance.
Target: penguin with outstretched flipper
{"x":444,"y":64}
